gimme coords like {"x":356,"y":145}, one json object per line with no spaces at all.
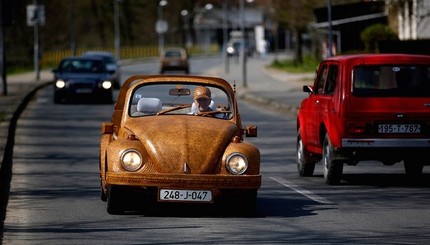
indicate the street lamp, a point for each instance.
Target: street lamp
{"x":161,"y":25}
{"x":242,"y":43}
{"x":117,"y":41}
{"x":185,"y":15}
{"x":208,"y":7}
{"x":225,"y":36}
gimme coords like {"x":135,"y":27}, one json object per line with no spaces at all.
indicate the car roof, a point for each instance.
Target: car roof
{"x":381,"y":59}
{"x":97,"y":53}
{"x":84,"y":58}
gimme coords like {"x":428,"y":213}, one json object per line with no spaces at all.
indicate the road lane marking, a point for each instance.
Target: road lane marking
{"x":303,"y":192}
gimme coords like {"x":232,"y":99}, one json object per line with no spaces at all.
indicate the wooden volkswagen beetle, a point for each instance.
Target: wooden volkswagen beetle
{"x":162,"y":146}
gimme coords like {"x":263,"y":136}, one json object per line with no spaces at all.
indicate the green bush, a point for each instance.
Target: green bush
{"x":374,"y":33}
{"x":309,"y":65}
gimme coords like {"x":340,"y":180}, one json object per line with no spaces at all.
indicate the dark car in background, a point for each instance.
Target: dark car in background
{"x":174,"y":59}
{"x":111,"y":64}
{"x":82,"y":78}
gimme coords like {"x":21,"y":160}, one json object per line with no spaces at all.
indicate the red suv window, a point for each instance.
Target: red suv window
{"x":399,"y":81}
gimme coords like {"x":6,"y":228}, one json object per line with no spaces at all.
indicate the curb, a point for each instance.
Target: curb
{"x":6,"y":164}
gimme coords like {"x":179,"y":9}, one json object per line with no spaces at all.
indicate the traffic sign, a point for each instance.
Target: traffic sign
{"x":35,"y":14}
{"x":161,"y":26}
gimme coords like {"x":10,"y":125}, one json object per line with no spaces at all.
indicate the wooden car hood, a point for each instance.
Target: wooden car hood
{"x":184,"y":144}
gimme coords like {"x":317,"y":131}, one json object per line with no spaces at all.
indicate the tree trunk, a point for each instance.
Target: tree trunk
{"x":298,"y":54}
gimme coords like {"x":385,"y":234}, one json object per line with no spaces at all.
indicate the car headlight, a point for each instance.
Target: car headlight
{"x":237,"y":163}
{"x":230,"y":50}
{"x":106,"y":84}
{"x":131,"y":160}
{"x":60,"y":84}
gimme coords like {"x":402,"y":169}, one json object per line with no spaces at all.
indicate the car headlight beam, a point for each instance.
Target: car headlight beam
{"x":131,"y":160}
{"x":237,"y":163}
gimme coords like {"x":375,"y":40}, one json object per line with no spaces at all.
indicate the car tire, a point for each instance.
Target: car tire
{"x":332,"y":169}
{"x":249,"y":203}
{"x":57,"y":99}
{"x":239,"y":205}
{"x":305,"y":164}
{"x":413,"y":168}
{"x":114,"y":201}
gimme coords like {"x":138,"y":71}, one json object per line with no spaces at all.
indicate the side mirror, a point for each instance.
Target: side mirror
{"x":107,"y":128}
{"x":251,"y":131}
{"x":308,"y":89}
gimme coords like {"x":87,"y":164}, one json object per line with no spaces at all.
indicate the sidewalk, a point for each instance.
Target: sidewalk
{"x":19,"y":87}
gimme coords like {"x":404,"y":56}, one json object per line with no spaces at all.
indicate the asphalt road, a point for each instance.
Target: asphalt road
{"x":55,"y":199}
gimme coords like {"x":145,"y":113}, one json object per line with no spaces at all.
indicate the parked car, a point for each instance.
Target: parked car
{"x":82,"y":78}
{"x":111,"y":64}
{"x":366,"y":107}
{"x":157,"y":148}
{"x":174,"y":59}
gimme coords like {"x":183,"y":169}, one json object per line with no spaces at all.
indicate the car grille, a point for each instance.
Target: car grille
{"x":80,"y":84}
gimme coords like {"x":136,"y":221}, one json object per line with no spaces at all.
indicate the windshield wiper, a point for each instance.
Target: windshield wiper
{"x":173,"y":109}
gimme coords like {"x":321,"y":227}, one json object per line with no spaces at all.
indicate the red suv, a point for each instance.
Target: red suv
{"x":366,"y":107}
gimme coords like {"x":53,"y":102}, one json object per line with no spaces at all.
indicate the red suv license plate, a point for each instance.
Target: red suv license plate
{"x":399,"y":128}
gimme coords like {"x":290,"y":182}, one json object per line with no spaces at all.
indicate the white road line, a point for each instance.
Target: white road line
{"x":297,"y":189}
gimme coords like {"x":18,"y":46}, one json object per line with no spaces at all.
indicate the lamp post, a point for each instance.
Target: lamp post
{"x":185,"y":14}
{"x":208,"y":7}
{"x":225,"y":36}
{"x":242,"y":43}
{"x":117,"y":42}
{"x":36,"y":18}
{"x":161,"y":25}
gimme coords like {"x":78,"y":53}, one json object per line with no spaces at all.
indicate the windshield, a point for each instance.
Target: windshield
{"x":178,"y":99}
{"x":82,"y":66}
{"x":392,"y":80}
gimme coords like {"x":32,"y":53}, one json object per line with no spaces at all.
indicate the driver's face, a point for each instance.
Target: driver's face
{"x":202,"y":104}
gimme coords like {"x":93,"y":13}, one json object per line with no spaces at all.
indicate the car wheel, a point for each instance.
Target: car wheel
{"x":305,"y":165}
{"x":413,"y":168}
{"x":57,"y":99}
{"x":116,"y":85}
{"x":114,"y":201}
{"x":243,"y":204}
{"x":249,"y":204}
{"x":332,"y":169}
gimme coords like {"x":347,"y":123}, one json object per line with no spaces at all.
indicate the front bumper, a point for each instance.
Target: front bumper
{"x":188,"y":181}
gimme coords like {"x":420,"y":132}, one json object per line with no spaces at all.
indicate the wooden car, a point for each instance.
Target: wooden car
{"x":162,"y":147}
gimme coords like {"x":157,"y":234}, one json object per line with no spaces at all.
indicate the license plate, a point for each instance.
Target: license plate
{"x":399,"y":128}
{"x":84,"y":90}
{"x":185,"y":195}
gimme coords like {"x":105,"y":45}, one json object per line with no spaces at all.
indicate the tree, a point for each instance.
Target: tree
{"x":296,"y":14}
{"x":374,"y":33}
